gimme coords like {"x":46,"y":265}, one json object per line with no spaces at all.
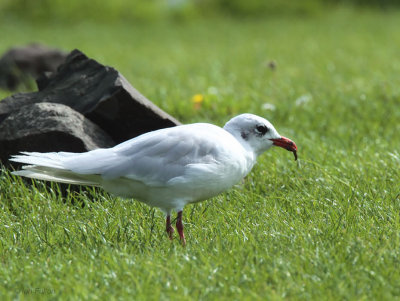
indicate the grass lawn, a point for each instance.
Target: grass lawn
{"x":325,"y":228}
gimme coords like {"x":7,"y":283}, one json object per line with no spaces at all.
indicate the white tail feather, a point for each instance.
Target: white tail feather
{"x":50,"y":167}
{"x":41,"y":159}
{"x":57,"y":175}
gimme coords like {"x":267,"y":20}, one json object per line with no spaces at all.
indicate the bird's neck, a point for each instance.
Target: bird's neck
{"x":248,"y":152}
{"x":240,"y":137}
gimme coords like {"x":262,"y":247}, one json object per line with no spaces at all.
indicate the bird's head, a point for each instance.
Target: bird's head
{"x":258,"y":134}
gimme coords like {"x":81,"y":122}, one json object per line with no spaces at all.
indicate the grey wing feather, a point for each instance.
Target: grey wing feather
{"x":149,"y":159}
{"x":154,"y":158}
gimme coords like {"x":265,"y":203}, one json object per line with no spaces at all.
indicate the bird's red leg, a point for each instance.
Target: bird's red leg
{"x":169,"y":228}
{"x":179,"y":227}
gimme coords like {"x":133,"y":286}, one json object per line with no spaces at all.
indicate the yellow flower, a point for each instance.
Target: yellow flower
{"x":197,"y":98}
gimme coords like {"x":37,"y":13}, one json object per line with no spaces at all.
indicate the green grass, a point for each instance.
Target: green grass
{"x":326,"y":228}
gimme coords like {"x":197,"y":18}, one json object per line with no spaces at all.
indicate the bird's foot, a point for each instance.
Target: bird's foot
{"x":179,"y":227}
{"x":170,"y":232}
{"x":169,"y":228}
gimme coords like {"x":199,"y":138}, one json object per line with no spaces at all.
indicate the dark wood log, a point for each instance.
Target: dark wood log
{"x":20,"y":66}
{"x":49,"y":127}
{"x":98,"y":92}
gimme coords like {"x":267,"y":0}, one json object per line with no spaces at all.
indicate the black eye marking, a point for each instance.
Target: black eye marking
{"x":244,"y":135}
{"x":262,"y":129}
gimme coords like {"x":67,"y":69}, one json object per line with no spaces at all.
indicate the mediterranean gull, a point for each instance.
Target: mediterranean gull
{"x":166,"y":168}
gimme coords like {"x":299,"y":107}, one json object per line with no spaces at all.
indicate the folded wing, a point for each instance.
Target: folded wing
{"x":155,"y":158}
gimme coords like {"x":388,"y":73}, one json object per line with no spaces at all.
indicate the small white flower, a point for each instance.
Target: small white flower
{"x":303,"y":99}
{"x":212,"y":90}
{"x":269,"y":106}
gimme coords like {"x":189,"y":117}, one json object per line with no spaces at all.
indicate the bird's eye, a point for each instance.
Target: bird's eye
{"x":262,"y":129}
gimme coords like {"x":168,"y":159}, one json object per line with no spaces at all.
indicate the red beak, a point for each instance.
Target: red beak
{"x":286,"y":144}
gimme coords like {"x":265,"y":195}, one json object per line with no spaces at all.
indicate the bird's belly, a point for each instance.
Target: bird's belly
{"x":200,"y":186}
{"x":175,"y":194}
